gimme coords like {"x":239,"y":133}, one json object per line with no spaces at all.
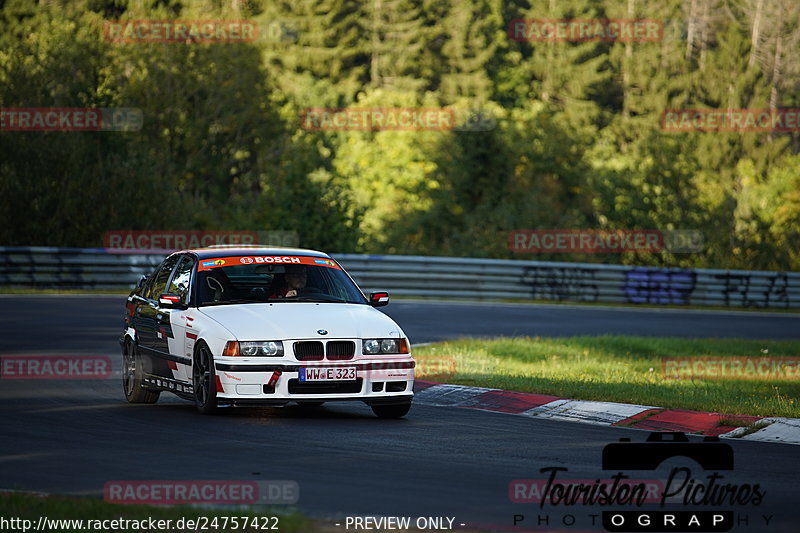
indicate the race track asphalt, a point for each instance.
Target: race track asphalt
{"x":75,"y":436}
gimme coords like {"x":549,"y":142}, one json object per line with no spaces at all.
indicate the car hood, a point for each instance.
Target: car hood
{"x":301,"y":320}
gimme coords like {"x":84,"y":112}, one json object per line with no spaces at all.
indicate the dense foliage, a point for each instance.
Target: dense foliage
{"x":576,"y":143}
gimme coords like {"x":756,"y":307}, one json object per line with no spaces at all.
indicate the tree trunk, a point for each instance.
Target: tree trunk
{"x":704,"y":35}
{"x":374,"y":71}
{"x":626,"y":65}
{"x":691,"y":30}
{"x":777,"y":77}
{"x":756,"y":33}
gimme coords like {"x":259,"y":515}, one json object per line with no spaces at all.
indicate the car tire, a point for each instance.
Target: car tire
{"x":132,"y":384}
{"x":396,"y":410}
{"x":204,"y":383}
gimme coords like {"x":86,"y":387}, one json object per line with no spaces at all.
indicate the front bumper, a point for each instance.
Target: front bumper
{"x":378,"y":381}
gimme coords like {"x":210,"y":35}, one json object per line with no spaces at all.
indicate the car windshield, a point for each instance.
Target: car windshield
{"x":237,"y":280}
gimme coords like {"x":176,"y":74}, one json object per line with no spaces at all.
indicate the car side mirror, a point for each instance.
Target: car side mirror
{"x":141,"y":281}
{"x":379,"y":298}
{"x":169,"y":301}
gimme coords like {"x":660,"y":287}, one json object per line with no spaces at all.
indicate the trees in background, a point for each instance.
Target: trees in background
{"x":574,"y":141}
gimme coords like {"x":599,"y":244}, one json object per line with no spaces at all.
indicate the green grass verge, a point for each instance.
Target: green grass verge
{"x":30,"y":507}
{"x":624,"y":305}
{"x":12,"y":290}
{"x":614,"y":368}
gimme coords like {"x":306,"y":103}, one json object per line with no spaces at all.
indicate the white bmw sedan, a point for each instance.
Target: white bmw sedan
{"x":262,"y":326}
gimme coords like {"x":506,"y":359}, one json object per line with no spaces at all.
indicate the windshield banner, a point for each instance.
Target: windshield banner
{"x":206,"y":264}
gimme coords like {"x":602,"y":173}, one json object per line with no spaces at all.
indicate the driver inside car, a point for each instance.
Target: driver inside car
{"x":296,"y":278}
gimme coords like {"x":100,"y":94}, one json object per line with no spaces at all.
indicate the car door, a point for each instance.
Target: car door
{"x":173,"y":322}
{"x":140,"y":318}
{"x":150,"y":331}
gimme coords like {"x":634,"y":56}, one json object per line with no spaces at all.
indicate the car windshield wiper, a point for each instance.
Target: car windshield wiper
{"x":306,"y":299}
{"x":235,"y":301}
{"x":333,"y":299}
{"x":319,"y":298}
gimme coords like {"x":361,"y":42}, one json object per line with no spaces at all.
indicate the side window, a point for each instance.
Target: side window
{"x":160,"y":281}
{"x":144,"y":293}
{"x":180,"y":281}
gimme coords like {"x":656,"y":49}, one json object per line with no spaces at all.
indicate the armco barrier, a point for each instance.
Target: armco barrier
{"x":447,"y":277}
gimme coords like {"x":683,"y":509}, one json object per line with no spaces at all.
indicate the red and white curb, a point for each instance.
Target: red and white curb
{"x":650,"y":418}
{"x":774,"y":430}
{"x":602,"y":413}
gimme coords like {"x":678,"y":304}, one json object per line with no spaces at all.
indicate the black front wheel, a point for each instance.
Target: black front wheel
{"x":135,"y":392}
{"x":204,"y":382}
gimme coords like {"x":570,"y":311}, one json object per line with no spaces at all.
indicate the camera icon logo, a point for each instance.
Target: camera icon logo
{"x":711,"y":453}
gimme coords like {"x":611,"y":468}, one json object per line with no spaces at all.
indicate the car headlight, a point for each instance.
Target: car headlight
{"x":385,"y":346}
{"x":389,"y":346}
{"x":371,"y":347}
{"x":261,"y":348}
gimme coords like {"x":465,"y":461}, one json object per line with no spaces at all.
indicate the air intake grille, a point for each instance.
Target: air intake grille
{"x":340,"y":350}
{"x":309,"y":351}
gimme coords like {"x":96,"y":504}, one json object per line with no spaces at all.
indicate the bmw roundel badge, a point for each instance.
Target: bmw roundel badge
{"x":322,"y":331}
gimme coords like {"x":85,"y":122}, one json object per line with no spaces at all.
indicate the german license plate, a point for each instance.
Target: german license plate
{"x":338,"y":373}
